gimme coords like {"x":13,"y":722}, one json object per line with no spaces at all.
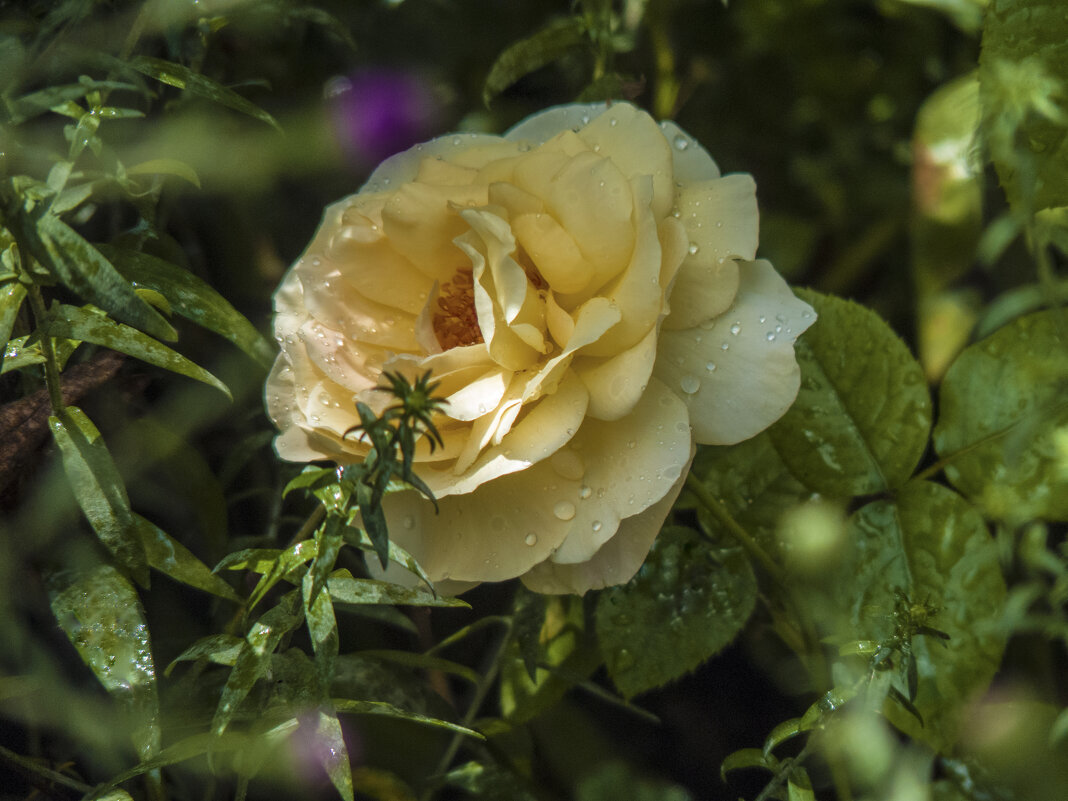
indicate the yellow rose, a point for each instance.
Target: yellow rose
{"x":583,"y":289}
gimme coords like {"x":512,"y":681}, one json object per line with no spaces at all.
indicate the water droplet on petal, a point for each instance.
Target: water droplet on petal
{"x":681,"y":142}
{"x":531,"y":539}
{"x":585,"y":492}
{"x":724,"y":346}
{"x":409,"y":521}
{"x":564,"y":510}
{"x":694,"y":248}
{"x":711,"y":367}
{"x":631,"y":444}
{"x":736,"y":329}
{"x":770,"y":336}
{"x":690,"y":384}
{"x":597,"y":525}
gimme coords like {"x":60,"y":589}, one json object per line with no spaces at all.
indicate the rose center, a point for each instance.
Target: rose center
{"x":456,"y":322}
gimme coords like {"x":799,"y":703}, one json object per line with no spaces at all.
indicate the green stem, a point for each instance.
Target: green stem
{"x":740,"y":535}
{"x":481,"y":692}
{"x":51,"y":367}
{"x":33,"y":768}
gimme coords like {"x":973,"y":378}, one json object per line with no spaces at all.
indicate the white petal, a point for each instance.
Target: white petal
{"x":404,"y":167}
{"x":544,"y":125}
{"x":616,"y":561}
{"x":692,"y":162}
{"x":617,"y":383}
{"x":737,"y":391}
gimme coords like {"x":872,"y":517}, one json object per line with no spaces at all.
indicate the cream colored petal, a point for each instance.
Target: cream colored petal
{"x":543,"y":429}
{"x":335,"y":307}
{"x":404,"y":167}
{"x":546,"y":124}
{"x":488,"y":428}
{"x":560,"y":323}
{"x":479,"y":397}
{"x":739,"y":375}
{"x":637,"y":292}
{"x":692,"y":162}
{"x":673,"y":244}
{"x":702,"y":290}
{"x":616,"y":383}
{"x":515,"y":200}
{"x":721,"y":216}
{"x":371,"y":266}
{"x":635,"y":144}
{"x":617,"y":560}
{"x":622,"y":467}
{"x":440,"y":172}
{"x":553,"y":252}
{"x":421,"y":223}
{"x":593,"y":202}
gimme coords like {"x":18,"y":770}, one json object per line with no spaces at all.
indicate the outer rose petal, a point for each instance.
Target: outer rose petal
{"x":739,"y":375}
{"x":617,"y":560}
{"x":692,"y":161}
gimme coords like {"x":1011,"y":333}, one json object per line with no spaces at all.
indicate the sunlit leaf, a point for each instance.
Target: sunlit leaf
{"x":83,"y":268}
{"x":547,"y":45}
{"x":372,"y":591}
{"x":192,"y":298}
{"x":931,"y":545}
{"x":686,"y":603}
{"x":174,"y":167}
{"x":1002,"y":403}
{"x":12,"y":293}
{"x":318,"y":608}
{"x":99,"y":489}
{"x":88,"y":326}
{"x":333,"y":755}
{"x":170,"y":557}
{"x":101,"y":614}
{"x":861,"y":419}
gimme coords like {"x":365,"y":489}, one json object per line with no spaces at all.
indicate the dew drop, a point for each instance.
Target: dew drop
{"x":693,"y":249}
{"x":531,"y":539}
{"x":690,"y":384}
{"x":719,"y":223}
{"x":711,"y":367}
{"x":600,"y":492}
{"x":724,"y":346}
{"x":736,"y":329}
{"x":613,"y":122}
{"x":409,"y":521}
{"x":681,"y":143}
{"x":632,"y":444}
{"x":585,"y":492}
{"x":316,"y":261}
{"x":456,"y":140}
{"x":770,"y":336}
{"x":763,"y":318}
{"x":564,"y":510}
{"x":596,"y":525}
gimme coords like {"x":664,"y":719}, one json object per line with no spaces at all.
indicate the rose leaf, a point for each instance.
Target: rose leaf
{"x":685,"y":604}
{"x":933,"y":547}
{"x":862,"y":416}
{"x":1002,"y":414}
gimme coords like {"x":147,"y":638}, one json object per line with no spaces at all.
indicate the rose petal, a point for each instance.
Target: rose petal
{"x":615,"y":384}
{"x":637,"y":146}
{"x":617,"y":560}
{"x":692,"y":161}
{"x":546,"y":124}
{"x":737,"y":392}
{"x":421,"y":223}
{"x":404,"y":167}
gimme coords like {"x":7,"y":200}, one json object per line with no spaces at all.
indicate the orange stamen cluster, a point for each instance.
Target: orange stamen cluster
{"x":456,"y":324}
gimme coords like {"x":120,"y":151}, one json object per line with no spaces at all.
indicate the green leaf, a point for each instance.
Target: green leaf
{"x":184,"y":78}
{"x":174,"y":167}
{"x":359,"y":538}
{"x":99,"y":489}
{"x":686,"y":603}
{"x":381,"y":708}
{"x":102,"y":616}
{"x":567,"y":655}
{"x":12,"y":293}
{"x":17,"y":354}
{"x":307,"y":477}
{"x":410,"y":659}
{"x":490,"y":782}
{"x":547,"y":45}
{"x":89,"y":326}
{"x":318,"y":609}
{"x":934,"y":547}
{"x":747,"y":758}
{"x":862,"y":416}
{"x":372,"y":591}
{"x":332,"y":753}
{"x":1022,"y":67}
{"x":1002,"y":408}
{"x":85,"y":270}
{"x":192,"y":298}
{"x":222,"y":649}
{"x":781,"y":733}
{"x":170,"y":557}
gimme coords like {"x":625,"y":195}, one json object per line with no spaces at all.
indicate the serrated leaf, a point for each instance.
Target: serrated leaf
{"x":1001,"y":405}
{"x":686,"y":603}
{"x":567,"y":656}
{"x":102,"y":616}
{"x":547,"y":45}
{"x":170,"y":557}
{"x":222,"y":649}
{"x":933,"y":546}
{"x":193,"y":299}
{"x":182,"y":77}
{"x":85,"y":270}
{"x":88,"y":326}
{"x":99,"y":489}
{"x":380,"y":708}
{"x":862,"y":416}
{"x":372,"y":591}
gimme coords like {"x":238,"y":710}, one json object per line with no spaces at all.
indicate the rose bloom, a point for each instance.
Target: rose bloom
{"x":584,"y":290}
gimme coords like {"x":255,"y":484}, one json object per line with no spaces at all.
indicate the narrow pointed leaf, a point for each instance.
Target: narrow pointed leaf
{"x":85,"y":270}
{"x":99,"y":489}
{"x":12,"y":293}
{"x":222,"y":649}
{"x":382,"y":708}
{"x":76,"y":323}
{"x":747,"y":758}
{"x":547,"y":45}
{"x":192,"y":298}
{"x":174,"y":167}
{"x":322,"y":626}
{"x":372,"y":591}
{"x":170,"y":557}
{"x":102,"y":616}
{"x":423,"y":661}
{"x":333,"y":755}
